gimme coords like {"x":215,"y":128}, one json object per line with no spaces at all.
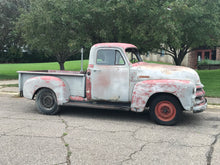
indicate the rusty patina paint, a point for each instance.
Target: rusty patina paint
{"x":54,"y":83}
{"x":144,"y":77}
{"x":77,"y":98}
{"x":88,"y":82}
{"x":112,"y":45}
{"x":145,"y":89}
{"x":159,"y":72}
{"x":110,"y":83}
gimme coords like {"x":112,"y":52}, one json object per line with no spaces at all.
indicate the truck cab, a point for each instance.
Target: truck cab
{"x":118,"y":78}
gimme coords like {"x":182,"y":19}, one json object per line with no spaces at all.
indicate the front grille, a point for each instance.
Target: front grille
{"x":200,"y":96}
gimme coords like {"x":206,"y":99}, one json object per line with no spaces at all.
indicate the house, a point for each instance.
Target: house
{"x":190,"y":60}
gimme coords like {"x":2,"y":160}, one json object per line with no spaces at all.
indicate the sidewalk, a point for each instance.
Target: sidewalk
{"x":4,"y":89}
{"x":7,"y":82}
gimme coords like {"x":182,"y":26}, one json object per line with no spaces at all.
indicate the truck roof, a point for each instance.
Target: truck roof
{"x":122,"y":45}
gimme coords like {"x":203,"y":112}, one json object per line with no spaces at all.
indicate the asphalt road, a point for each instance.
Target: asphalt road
{"x":88,"y":136}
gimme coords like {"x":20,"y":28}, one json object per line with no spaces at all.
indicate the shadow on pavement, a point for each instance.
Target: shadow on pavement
{"x":188,"y":118}
{"x":104,"y":114}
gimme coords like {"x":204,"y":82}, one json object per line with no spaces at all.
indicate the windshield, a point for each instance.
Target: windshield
{"x":133,"y":55}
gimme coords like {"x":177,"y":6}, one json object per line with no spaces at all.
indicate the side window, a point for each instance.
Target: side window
{"x":109,"y":57}
{"x":118,"y":58}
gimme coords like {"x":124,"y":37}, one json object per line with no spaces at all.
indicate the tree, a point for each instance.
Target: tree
{"x":10,"y":41}
{"x":176,"y":26}
{"x":47,"y":26}
{"x":186,"y":25}
{"x":61,"y":27}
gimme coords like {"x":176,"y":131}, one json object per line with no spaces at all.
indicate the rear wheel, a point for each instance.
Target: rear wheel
{"x":165,"y":110}
{"x":46,"y":102}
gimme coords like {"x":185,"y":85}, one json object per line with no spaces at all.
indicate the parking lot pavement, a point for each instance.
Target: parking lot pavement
{"x":89,"y":136}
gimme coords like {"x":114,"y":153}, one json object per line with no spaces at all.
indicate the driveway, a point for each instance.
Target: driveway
{"x":89,"y":136}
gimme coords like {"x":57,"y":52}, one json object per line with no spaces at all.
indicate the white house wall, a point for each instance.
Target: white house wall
{"x":166,"y":59}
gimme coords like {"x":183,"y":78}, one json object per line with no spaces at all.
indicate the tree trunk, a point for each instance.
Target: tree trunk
{"x":178,"y":62}
{"x":179,"y":58}
{"x":62,"y":65}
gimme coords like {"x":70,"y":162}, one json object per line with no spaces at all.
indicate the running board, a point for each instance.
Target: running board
{"x":123,"y":107}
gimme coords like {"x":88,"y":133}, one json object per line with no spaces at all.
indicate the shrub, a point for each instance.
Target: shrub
{"x":208,"y":62}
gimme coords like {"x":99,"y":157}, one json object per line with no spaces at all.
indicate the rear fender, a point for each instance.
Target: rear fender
{"x":57,"y":85}
{"x":182,"y":89}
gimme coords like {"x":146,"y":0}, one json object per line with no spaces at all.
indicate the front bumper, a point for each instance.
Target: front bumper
{"x":201,"y":107}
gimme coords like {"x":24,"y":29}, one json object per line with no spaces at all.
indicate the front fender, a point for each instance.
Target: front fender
{"x":182,"y":89}
{"x":57,"y":85}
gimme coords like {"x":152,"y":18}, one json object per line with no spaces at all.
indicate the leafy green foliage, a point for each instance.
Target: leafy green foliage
{"x":10,"y":41}
{"x":188,"y":25}
{"x":208,"y":62}
{"x":46,"y":25}
{"x":177,"y":26}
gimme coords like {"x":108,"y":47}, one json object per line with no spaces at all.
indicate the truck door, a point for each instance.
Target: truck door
{"x":110,"y":76}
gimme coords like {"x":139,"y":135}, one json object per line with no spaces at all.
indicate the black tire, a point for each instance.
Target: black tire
{"x":46,"y":102}
{"x":165,"y":110}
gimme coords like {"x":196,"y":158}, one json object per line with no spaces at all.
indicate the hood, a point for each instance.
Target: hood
{"x":148,"y":71}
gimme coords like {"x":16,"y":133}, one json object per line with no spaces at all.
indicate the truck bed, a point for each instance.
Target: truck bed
{"x":74,"y":79}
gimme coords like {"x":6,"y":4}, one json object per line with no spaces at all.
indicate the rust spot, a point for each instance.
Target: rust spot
{"x":77,"y":98}
{"x":139,"y":64}
{"x":63,"y":84}
{"x":88,"y":86}
{"x":91,"y":66}
{"x":144,"y":77}
{"x":122,"y":45}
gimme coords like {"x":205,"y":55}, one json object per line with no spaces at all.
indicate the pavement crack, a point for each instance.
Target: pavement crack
{"x":133,"y":153}
{"x":211,"y":149}
{"x":69,"y":153}
{"x":135,"y":132}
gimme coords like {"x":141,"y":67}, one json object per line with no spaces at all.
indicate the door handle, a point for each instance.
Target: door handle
{"x":97,"y":70}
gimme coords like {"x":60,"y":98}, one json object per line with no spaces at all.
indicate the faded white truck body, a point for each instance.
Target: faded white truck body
{"x":137,"y":82}
{"x":63,"y":83}
{"x":122,"y":82}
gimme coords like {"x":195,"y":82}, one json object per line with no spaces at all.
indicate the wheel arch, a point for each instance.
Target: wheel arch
{"x":143,"y":90}
{"x":152,"y":97}
{"x":33,"y":85}
{"x":35,"y":93}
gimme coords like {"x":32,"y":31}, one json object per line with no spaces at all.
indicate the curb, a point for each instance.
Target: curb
{"x":8,"y":93}
{"x":213,"y":106}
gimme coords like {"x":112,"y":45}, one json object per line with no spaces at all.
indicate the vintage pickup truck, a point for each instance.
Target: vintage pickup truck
{"x":117,"y":78}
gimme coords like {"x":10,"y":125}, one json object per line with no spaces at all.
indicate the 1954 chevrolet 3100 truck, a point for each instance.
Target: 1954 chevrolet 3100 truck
{"x":117,"y":78}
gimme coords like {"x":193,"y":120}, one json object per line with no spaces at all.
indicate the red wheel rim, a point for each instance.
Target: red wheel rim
{"x":165,"y":111}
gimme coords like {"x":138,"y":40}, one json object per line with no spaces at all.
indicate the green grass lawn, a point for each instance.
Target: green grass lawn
{"x":8,"y":71}
{"x":210,"y":78}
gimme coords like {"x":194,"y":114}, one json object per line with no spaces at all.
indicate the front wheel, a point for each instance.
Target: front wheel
{"x":165,"y":110}
{"x":46,"y":102}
